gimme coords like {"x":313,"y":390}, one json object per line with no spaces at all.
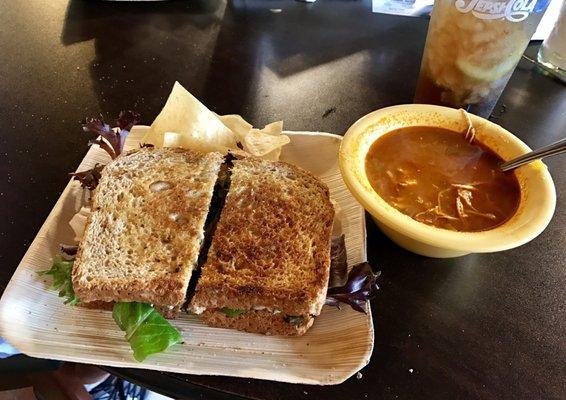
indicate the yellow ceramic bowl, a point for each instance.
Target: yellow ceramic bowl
{"x":538,"y":197}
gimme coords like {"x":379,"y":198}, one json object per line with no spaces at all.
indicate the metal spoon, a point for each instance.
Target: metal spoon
{"x":550,"y":150}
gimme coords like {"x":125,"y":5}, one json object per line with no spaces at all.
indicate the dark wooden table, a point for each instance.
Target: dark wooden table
{"x":482,"y":326}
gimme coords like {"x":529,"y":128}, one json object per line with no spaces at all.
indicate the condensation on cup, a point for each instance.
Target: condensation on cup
{"x":471,"y":50}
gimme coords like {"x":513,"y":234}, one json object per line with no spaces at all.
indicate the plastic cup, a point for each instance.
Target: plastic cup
{"x":471,"y":50}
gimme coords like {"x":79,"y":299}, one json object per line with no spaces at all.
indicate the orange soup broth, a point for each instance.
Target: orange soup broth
{"x":437,"y":177}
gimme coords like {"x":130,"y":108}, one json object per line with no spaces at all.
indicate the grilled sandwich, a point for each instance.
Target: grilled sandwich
{"x":266,"y":261}
{"x":268,"y":264}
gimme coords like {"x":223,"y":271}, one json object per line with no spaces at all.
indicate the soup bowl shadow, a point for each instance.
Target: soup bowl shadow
{"x":538,"y":196}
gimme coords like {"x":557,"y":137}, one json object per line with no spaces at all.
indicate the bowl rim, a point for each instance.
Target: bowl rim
{"x":478,"y":242}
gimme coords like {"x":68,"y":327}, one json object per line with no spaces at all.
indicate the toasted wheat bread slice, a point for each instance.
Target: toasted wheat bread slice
{"x":271,"y":247}
{"x":257,"y":322}
{"x":143,"y":237}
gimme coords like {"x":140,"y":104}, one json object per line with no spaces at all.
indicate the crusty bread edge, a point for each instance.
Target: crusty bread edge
{"x":169,"y":291}
{"x":256,"y":321}
{"x":79,"y":256}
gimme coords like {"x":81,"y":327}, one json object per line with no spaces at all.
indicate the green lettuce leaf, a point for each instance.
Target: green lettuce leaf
{"x":146,"y":330}
{"x":295,"y":319}
{"x":61,"y":273}
{"x":232,"y":312}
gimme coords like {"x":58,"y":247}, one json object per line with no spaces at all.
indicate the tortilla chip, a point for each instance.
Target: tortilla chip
{"x":200,"y":128}
{"x":185,"y":122}
{"x":274,"y":128}
{"x":236,"y":124}
{"x":172,"y":139}
{"x":257,"y":142}
{"x":267,"y":142}
{"x":261,"y":144}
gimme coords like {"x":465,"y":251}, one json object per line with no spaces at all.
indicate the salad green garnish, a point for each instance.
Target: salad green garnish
{"x":146,"y":330}
{"x":60,"y":271}
{"x":294,"y":319}
{"x":108,"y":139}
{"x":232,"y":312}
{"x":354,"y":287}
{"x":111,"y":140}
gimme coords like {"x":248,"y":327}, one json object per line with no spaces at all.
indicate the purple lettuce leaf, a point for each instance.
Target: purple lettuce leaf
{"x":97,"y":126}
{"x":102,"y":129}
{"x":126,"y":120}
{"x":360,"y":287}
{"x":89,"y":179}
{"x":68,"y":252}
{"x":104,"y":146}
{"x":110,"y":140}
{"x":69,"y":249}
{"x":338,"y":262}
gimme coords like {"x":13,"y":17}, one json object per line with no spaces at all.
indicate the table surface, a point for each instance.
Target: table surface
{"x":481,"y":326}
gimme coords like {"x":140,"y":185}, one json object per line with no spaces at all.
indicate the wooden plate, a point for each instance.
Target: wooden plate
{"x":35,"y":320}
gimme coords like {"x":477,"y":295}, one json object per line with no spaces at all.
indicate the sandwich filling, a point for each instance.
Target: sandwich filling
{"x":235,"y":312}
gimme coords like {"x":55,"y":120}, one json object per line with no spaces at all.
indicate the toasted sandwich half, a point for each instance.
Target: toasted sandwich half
{"x":268,"y":264}
{"x":145,"y":232}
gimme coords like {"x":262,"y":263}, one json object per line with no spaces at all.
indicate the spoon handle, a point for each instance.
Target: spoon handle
{"x":550,"y":150}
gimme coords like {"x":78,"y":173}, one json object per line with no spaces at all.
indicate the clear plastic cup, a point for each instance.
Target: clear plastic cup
{"x":552,"y":53}
{"x":471,"y":50}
